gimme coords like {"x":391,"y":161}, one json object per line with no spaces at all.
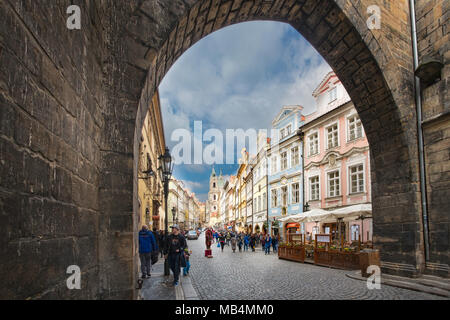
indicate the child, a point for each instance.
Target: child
{"x":187,"y":253}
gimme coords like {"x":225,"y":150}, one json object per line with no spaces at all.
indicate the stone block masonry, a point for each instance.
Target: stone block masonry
{"x":72,"y":104}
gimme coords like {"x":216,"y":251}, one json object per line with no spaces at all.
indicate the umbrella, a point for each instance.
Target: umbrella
{"x":352,"y":212}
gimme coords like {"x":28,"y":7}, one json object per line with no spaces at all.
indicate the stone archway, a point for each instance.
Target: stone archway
{"x":372,"y":75}
{"x":73,"y":102}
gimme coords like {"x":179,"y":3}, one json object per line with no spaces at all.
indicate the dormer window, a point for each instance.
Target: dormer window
{"x":289,"y":129}
{"x":282,"y":133}
{"x":333,"y":94}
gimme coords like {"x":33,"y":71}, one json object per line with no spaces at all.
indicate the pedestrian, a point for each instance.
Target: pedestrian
{"x":228,"y":237}
{"x":187,"y":254}
{"x":175,"y":245}
{"x":262,"y":237}
{"x":246,"y":242}
{"x":267,"y":243}
{"x":253,"y":242}
{"x":274,"y":243}
{"x":222,"y":240}
{"x":147,"y":244}
{"x":162,"y":241}
{"x":233,"y":243}
{"x":240,"y":240}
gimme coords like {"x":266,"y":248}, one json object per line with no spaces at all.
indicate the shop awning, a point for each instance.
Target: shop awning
{"x":292,"y":225}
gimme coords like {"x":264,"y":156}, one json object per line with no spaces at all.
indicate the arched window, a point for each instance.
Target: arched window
{"x":214,"y":184}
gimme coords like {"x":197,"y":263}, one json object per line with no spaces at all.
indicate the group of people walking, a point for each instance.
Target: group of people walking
{"x":244,"y":241}
{"x":173,"y":246}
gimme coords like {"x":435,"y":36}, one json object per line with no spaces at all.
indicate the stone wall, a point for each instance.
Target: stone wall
{"x":73,"y":102}
{"x":51,"y":105}
{"x":433,"y":41}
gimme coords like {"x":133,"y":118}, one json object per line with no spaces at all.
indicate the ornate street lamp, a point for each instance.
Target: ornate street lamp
{"x":165,"y":170}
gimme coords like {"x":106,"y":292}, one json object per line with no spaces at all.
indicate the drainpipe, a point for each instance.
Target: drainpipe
{"x":420,"y":133}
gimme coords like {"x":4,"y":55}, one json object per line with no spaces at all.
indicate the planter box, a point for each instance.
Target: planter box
{"x":368,"y":258}
{"x":291,"y":253}
{"x":337,"y":259}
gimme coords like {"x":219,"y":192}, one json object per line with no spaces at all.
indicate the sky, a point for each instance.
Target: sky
{"x":237,"y":78}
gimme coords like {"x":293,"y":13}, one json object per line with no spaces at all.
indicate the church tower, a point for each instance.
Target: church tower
{"x":213,"y":197}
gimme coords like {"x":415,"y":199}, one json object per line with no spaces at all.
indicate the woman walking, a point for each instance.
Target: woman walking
{"x":239,"y":239}
{"x":222,"y":240}
{"x":267,"y":244}
{"x":233,"y":243}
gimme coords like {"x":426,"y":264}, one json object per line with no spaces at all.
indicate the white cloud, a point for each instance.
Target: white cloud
{"x":232,"y":78}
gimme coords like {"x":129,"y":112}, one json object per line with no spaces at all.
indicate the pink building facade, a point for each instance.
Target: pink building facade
{"x":336,"y":160}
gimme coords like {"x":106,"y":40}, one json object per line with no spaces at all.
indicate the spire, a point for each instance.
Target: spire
{"x":213,"y":173}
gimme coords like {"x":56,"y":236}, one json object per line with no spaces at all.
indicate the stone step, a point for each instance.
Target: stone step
{"x":432,"y":286}
{"x":416,"y":287}
{"x":435,"y":282}
{"x":430,"y":281}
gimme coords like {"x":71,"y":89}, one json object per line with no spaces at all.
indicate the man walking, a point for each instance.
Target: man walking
{"x":175,"y":245}
{"x":147,"y":244}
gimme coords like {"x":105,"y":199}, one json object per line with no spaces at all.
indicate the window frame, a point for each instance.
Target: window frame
{"x":350,"y":117}
{"x":294,"y":164}
{"x":328,"y":183}
{"x":274,"y":204}
{"x":292,"y":193}
{"x":285,"y":160}
{"x":330,"y":95}
{"x":315,"y":133}
{"x":349,"y":175}
{"x":310,"y":187}
{"x":335,"y":123}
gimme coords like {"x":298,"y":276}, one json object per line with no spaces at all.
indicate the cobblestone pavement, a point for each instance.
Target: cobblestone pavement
{"x":253,"y":275}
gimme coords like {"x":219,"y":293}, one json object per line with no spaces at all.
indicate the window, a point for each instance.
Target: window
{"x":295,"y":193}
{"x":333,"y":94}
{"x":288,"y":130}
{"x":284,"y":162}
{"x":264,"y":201}
{"x":332,"y":134}
{"x":282,"y":133}
{"x":214,"y":184}
{"x":274,"y":198}
{"x":355,"y":232}
{"x":314,"y":188}
{"x":284,"y":195}
{"x":333,"y":184}
{"x":274,"y":164}
{"x":259,"y":203}
{"x":354,"y":128}
{"x":313,"y":144}
{"x":315,"y":230}
{"x":357,"y":179}
{"x":295,"y":157}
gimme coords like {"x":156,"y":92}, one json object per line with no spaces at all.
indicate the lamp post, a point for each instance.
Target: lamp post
{"x":166,"y":173}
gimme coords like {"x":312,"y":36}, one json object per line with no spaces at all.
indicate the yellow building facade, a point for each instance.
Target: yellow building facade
{"x":150,"y":187}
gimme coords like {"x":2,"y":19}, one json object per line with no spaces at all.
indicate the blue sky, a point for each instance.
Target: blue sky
{"x":238,"y":77}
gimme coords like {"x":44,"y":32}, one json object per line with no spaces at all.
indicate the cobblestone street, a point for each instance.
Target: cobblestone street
{"x":253,"y":275}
